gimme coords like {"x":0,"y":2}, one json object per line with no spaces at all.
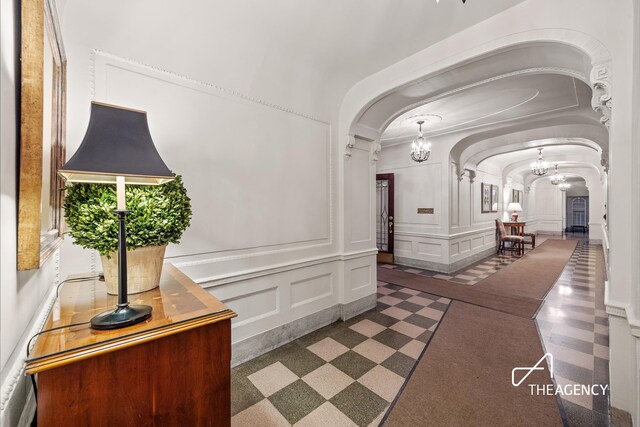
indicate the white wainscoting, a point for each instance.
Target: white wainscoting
{"x":275,"y":308}
{"x":444,"y":253}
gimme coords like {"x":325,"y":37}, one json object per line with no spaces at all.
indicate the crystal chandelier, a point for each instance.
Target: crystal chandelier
{"x":540,"y":167}
{"x":556,"y":178}
{"x":420,"y":147}
{"x":564,"y":185}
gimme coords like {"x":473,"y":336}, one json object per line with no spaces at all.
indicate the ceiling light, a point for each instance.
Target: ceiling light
{"x":420,"y":147}
{"x":556,"y":178}
{"x":540,"y":167}
{"x":564,"y":185}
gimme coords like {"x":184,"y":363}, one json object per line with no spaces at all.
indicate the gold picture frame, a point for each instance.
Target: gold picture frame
{"x":43,"y":88}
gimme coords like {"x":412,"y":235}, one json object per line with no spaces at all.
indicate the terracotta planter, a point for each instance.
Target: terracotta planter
{"x":144,"y":267}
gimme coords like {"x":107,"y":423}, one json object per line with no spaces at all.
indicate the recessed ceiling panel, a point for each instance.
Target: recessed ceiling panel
{"x":490,"y":103}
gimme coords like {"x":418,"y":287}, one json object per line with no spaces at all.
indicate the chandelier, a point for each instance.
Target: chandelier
{"x":564,"y":185}
{"x":556,"y":178}
{"x":420,"y":147}
{"x":540,"y":167}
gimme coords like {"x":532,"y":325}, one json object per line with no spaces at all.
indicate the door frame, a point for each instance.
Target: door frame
{"x":387,"y":256}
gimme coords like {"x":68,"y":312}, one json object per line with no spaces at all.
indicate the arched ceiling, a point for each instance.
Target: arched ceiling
{"x":492,"y":103}
{"x":517,"y":164}
{"x":516,"y":67}
{"x":512,"y":101}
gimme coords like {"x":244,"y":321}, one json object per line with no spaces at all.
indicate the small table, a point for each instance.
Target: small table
{"x":173,"y":369}
{"x":517,"y":228}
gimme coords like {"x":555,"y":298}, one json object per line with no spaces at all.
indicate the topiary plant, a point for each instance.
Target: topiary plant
{"x":156,"y":215}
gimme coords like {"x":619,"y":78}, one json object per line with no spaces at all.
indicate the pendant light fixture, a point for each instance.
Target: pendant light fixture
{"x":539,"y":167}
{"x":564,"y":185}
{"x":420,"y":147}
{"x":556,"y":178}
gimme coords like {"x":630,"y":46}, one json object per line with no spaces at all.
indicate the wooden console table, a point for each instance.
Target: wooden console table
{"x":173,"y":369}
{"x":517,"y":228}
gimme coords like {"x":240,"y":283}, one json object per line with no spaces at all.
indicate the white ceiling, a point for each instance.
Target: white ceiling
{"x":560,"y":154}
{"x":343,"y":40}
{"x":491,"y":103}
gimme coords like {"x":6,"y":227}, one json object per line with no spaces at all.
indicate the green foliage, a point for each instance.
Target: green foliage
{"x":157,"y":215}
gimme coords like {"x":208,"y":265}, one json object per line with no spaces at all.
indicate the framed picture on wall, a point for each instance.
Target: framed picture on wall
{"x":495,"y":191}
{"x":520,"y":197}
{"x":485,"y":201}
{"x":43,"y":91}
{"x":515,"y":196}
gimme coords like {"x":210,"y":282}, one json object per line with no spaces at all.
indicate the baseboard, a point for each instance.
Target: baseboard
{"x":257,"y":345}
{"x":356,"y":307}
{"x":445,"y":268}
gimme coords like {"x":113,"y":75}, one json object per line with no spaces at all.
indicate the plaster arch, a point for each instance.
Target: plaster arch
{"x":523,"y":169}
{"x":473,"y":149}
{"x":438,"y":58}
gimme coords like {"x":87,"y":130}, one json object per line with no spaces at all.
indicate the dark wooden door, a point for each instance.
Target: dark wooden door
{"x":384,"y":217}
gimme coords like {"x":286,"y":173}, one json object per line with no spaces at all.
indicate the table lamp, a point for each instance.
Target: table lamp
{"x":514,"y":208}
{"x":117,"y":149}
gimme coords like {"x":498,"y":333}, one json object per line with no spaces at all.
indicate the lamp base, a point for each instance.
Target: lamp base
{"x":121,"y":317}
{"x":514,"y":217}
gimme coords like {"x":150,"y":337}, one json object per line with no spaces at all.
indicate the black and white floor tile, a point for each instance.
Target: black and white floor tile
{"x":574,"y":328}
{"x":345,"y":374}
{"x":348,"y":373}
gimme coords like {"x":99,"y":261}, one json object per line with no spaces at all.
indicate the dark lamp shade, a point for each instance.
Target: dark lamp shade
{"x":117,"y":143}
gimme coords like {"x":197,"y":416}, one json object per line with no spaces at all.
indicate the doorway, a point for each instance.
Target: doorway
{"x":578,"y":214}
{"x":384,"y":217}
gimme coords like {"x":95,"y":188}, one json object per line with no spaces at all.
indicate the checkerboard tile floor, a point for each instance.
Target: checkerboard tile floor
{"x":472,"y":274}
{"x":574,"y":328}
{"x":345,"y":374}
{"x":468,"y":276}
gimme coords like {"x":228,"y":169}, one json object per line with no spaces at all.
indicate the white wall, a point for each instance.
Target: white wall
{"x":22,"y":294}
{"x":457,"y":233}
{"x":548,"y":201}
{"x":252,"y":137}
{"x":548,"y":204}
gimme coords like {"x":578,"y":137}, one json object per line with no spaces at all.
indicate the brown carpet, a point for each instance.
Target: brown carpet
{"x":534,"y":274}
{"x":517,"y":289}
{"x":523,"y":307}
{"x":464,"y":376}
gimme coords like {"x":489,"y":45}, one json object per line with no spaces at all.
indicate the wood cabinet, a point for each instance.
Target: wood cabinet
{"x":173,"y":369}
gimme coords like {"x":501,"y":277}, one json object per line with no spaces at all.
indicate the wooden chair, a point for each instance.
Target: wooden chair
{"x":516,"y":242}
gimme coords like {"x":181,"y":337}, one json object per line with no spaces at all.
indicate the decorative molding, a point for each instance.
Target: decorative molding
{"x":375,"y":150}
{"x":445,"y":236}
{"x":604,"y":160}
{"x":460,"y":173}
{"x":613,"y":310}
{"x":601,"y":99}
{"x":534,"y":70}
{"x":472,"y":176}
{"x":16,"y":371}
{"x":351,"y":142}
{"x":211,"y":86}
{"x":100,"y":59}
{"x":247,"y":274}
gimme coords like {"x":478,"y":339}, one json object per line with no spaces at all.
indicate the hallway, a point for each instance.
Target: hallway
{"x":352,"y":372}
